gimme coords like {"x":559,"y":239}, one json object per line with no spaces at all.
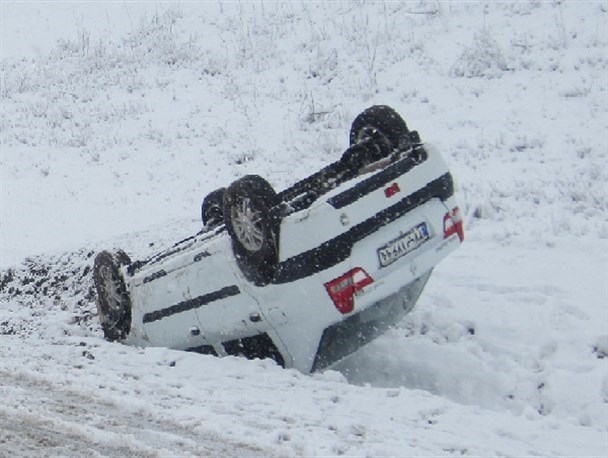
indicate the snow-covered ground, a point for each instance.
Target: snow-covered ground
{"x":117,"y":118}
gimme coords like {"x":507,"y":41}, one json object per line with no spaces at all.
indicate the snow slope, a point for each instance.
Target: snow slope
{"x":117,"y":118}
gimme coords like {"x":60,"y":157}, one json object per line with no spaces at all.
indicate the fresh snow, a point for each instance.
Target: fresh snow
{"x":118,"y":118}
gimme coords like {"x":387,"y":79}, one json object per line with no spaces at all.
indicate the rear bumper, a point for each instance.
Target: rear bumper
{"x":382,"y":304}
{"x":346,"y":337}
{"x":338,"y":249}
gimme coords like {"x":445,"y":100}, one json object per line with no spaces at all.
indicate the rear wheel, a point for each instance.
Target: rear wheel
{"x":383,"y":126}
{"x":113,"y":302}
{"x":252,"y":220}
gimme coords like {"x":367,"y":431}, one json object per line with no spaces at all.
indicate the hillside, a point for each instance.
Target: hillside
{"x":118,"y":118}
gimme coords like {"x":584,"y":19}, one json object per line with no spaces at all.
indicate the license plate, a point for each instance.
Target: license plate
{"x":402,"y":245}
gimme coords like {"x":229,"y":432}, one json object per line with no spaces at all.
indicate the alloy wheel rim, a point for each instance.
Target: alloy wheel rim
{"x":247,"y":224}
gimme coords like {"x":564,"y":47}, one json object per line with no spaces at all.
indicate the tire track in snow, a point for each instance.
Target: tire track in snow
{"x":39,"y":418}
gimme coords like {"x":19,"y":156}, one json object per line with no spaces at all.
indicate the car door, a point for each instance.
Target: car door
{"x":225,"y":311}
{"x":194,"y":299}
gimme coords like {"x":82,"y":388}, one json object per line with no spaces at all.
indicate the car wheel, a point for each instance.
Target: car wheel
{"x":113,"y":303}
{"x":383,"y":126}
{"x":212,"y":208}
{"x":252,"y":220}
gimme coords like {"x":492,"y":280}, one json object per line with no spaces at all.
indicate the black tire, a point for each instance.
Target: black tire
{"x":383,"y":125}
{"x":113,"y":302}
{"x":361,"y":154}
{"x":252,"y":220}
{"x":212,"y":208}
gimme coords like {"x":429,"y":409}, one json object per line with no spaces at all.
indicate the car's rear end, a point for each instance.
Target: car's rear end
{"x":357,"y":260}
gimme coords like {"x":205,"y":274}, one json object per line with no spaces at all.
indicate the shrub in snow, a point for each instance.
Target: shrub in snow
{"x":482,"y":59}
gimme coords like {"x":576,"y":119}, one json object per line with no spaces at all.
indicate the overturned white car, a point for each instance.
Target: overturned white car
{"x":305,"y":276}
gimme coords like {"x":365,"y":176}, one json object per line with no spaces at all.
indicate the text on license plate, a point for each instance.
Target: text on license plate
{"x":403,"y":245}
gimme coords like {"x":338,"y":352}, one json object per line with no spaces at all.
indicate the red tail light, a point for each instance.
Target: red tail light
{"x":342,"y":289}
{"x":452,"y":224}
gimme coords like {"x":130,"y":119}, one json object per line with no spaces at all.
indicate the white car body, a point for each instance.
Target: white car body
{"x":386,"y":229}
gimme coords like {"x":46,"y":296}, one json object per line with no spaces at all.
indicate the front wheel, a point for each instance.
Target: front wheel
{"x":252,"y":220}
{"x":113,"y":302}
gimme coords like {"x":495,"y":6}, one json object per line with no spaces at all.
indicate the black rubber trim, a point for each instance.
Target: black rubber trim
{"x":192,"y":303}
{"x":154,"y":276}
{"x":338,"y":249}
{"x":377,"y":181}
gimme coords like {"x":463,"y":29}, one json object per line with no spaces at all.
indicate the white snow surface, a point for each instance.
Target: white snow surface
{"x":118,"y":118}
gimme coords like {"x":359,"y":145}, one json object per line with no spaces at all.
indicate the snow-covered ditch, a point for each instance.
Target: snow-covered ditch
{"x":117,"y":118}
